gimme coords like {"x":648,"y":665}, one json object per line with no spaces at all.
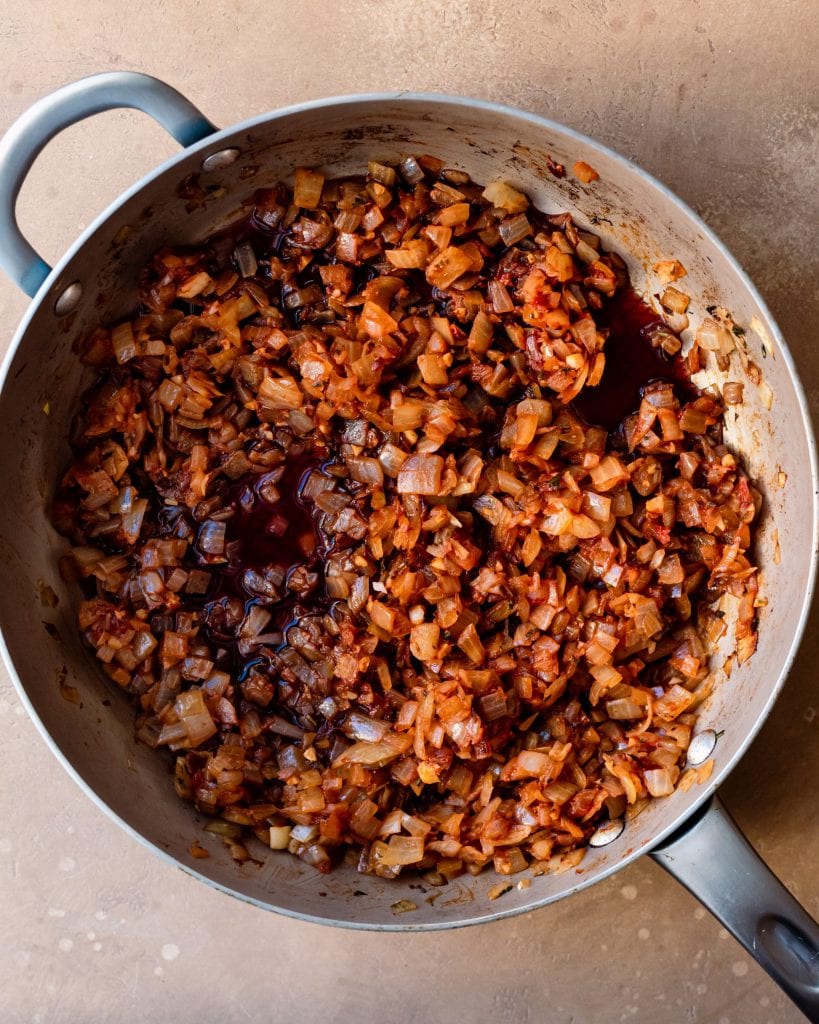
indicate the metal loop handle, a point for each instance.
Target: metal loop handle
{"x":715,"y":862}
{"x":49,"y":116}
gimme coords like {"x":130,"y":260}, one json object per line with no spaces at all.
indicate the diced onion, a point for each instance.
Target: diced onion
{"x":212,"y":538}
{"x":401,"y":850}
{"x":585,"y":172}
{"x":356,"y":547}
{"x":500,"y":298}
{"x":279,"y":837}
{"x":623,"y":708}
{"x":246,"y":259}
{"x":659,"y":781}
{"x":307,"y":189}
{"x":447,"y":266}
{"x":424,"y":641}
{"x":420,"y":474}
{"x":504,"y":197}
{"x":375,"y":755}
{"x":513,"y":229}
{"x":124,"y":345}
{"x":732,"y":392}
{"x":411,"y":171}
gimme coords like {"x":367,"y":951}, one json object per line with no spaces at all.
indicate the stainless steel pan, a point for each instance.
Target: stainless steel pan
{"x":689,"y":833}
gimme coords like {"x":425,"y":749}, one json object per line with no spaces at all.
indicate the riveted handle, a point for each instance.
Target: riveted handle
{"x":49,"y":116}
{"x":715,"y":862}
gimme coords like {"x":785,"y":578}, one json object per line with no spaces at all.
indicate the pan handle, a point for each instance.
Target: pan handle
{"x":715,"y":862}
{"x":49,"y":116}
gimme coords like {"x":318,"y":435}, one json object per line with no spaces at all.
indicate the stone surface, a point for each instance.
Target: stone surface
{"x":721,"y":102}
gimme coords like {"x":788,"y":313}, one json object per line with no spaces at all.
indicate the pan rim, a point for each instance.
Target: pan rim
{"x":216,"y":141}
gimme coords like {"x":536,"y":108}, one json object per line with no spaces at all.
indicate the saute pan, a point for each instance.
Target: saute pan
{"x":200,"y":189}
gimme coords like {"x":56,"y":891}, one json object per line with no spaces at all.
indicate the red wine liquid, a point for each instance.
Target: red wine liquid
{"x":263,"y":534}
{"x":632,"y":361}
{"x":281,"y":533}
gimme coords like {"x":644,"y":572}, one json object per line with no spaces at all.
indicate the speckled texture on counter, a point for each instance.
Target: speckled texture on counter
{"x":720,"y":100}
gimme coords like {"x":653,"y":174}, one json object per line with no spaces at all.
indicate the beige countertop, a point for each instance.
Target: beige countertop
{"x":721,"y":101}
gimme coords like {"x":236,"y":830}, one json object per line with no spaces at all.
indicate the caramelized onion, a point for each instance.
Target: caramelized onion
{"x":355,"y":556}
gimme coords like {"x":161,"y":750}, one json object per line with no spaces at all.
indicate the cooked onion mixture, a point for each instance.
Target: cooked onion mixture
{"x":399,"y":520}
